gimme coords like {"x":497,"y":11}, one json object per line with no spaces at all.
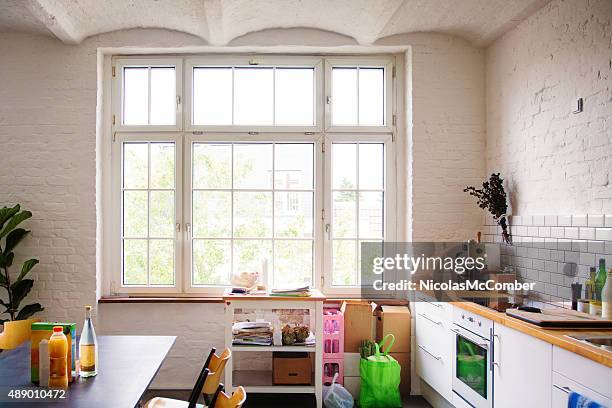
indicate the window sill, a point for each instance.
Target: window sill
{"x":153,"y":299}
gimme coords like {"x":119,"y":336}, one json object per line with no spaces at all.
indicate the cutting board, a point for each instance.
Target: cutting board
{"x":553,"y":318}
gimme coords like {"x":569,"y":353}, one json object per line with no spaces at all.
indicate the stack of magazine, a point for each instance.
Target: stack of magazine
{"x":252,"y":333}
{"x":303,"y":291}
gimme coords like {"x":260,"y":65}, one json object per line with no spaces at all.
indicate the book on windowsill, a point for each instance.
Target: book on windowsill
{"x":303,"y":291}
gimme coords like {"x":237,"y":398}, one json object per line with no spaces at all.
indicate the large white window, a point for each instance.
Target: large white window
{"x":273,"y":166}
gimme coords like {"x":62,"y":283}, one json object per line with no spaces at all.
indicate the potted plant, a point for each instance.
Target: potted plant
{"x":17,"y":325}
{"x":492,"y":197}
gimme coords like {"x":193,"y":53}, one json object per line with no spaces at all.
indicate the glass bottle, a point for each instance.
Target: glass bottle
{"x":88,"y":347}
{"x":589,"y":285}
{"x":600,"y":279}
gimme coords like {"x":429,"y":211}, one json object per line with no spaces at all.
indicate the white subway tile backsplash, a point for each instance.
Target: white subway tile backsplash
{"x":608,"y":247}
{"x":604,"y":234}
{"x":595,"y":220}
{"x":544,"y":232}
{"x":538,"y":220}
{"x":557,"y":232}
{"x":565,"y":244}
{"x":587,"y":233}
{"x":557,"y":279}
{"x":564,"y":220}
{"x":587,"y":259}
{"x":544,"y":276}
{"x":580,"y":246}
{"x":532,"y":231}
{"x":596,"y":246}
{"x":527,"y":220}
{"x":551,"y":220}
{"x":579,"y":220}
{"x":571,"y":232}
{"x":608,"y":220}
{"x":571,"y":256}
{"x":516,"y":220}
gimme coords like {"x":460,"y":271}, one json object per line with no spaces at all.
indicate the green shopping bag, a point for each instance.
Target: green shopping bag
{"x":380,"y":378}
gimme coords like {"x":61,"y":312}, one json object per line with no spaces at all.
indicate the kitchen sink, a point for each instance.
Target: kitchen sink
{"x":602,"y":341}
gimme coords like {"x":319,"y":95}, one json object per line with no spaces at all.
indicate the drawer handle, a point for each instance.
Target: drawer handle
{"x":566,"y":390}
{"x":430,"y":319}
{"x":428,"y":352}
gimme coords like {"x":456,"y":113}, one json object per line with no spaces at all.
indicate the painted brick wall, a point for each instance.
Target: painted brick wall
{"x":48,"y":139}
{"x":553,"y":161}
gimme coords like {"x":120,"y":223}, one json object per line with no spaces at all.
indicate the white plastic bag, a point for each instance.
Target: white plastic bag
{"x":336,"y":396}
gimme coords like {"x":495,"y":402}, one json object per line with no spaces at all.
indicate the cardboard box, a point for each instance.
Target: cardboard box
{"x":404,"y":360}
{"x":351,"y":364}
{"x":357,"y":323}
{"x":394,"y":320}
{"x":44,"y":330}
{"x":291,"y":368}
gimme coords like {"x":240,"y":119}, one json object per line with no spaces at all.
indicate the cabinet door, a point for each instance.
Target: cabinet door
{"x":522,"y":371}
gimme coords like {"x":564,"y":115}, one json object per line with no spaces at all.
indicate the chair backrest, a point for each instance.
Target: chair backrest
{"x":195,"y":392}
{"x":217,"y":367}
{"x":221,"y":400}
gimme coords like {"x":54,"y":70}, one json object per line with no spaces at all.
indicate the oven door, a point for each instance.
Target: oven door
{"x":472,"y":378}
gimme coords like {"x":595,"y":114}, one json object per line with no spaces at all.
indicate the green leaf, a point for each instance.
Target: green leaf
{"x":13,"y":238}
{"x":8,"y":212}
{"x":29,"y":310}
{"x":20,"y":291}
{"x":2,"y":282}
{"x":14,"y":221}
{"x":6,"y":260}
{"x":26,"y":267}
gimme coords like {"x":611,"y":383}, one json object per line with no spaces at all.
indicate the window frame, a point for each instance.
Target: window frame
{"x":389,"y":209}
{"x":118,"y":86}
{"x":117,"y":211}
{"x":254,"y":62}
{"x":322,"y":134}
{"x":387,"y":63}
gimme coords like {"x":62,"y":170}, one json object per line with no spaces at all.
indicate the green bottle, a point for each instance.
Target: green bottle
{"x":600,"y":279}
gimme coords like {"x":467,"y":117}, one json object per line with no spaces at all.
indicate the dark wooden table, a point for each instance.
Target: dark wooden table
{"x":127,"y":364}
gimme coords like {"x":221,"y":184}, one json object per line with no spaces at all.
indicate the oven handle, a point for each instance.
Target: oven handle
{"x":566,"y":390}
{"x":439,"y":358}
{"x":471,"y":338}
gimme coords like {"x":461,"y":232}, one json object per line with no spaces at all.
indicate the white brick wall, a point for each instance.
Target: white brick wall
{"x":48,"y":139}
{"x":553,"y":161}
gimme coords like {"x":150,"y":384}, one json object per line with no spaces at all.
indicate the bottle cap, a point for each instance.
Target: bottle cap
{"x":88,"y":308}
{"x":58,"y":329}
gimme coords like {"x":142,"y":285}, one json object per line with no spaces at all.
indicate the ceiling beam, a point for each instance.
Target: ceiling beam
{"x":57,"y":20}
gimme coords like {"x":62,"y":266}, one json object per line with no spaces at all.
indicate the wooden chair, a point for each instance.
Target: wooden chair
{"x":159,"y":402}
{"x":221,"y":400}
{"x":216,"y":367}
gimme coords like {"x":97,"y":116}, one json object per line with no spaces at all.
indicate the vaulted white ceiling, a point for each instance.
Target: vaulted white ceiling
{"x":220,"y":21}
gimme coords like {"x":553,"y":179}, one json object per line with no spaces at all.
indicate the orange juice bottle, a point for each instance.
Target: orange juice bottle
{"x":58,"y":359}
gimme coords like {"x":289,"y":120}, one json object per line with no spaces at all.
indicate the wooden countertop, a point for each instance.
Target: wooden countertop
{"x":557,"y":337}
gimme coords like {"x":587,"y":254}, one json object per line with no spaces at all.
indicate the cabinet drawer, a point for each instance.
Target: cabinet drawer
{"x":583,"y":371}
{"x":562,"y":386}
{"x":438,"y":310}
{"x":434,"y":335}
{"x":434,"y":370}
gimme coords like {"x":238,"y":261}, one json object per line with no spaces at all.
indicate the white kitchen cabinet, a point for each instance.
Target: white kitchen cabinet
{"x":522,"y":370}
{"x":572,"y":372}
{"x":434,"y":345}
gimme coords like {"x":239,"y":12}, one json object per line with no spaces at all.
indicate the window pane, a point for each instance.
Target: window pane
{"x":253,"y":215}
{"x":135,"y":165}
{"x":365,"y":260}
{"x":212,"y":165}
{"x":135,"y":96}
{"x":344,"y":214}
{"x":371,"y":96}
{"x":370,"y":215}
{"x":344,"y":165}
{"x":162,"y":262}
{"x":212,"y":214}
{"x":294,"y":104}
{"x":135,"y":262}
{"x":253,"y":98}
{"x":252,"y":166}
{"x":293,"y":214}
{"x":344,"y":268}
{"x":292,"y":263}
{"x":162,"y":214}
{"x":163,"y":96}
{"x":371,"y":166}
{"x":162,"y":165}
{"x":293,"y":166}
{"x":252,"y":256}
{"x":211,"y":262}
{"x":344,"y":96}
{"x":212,"y":96}
{"x":135,"y":214}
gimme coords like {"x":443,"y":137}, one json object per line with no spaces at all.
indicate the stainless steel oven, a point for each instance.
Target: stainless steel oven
{"x":472,"y":359}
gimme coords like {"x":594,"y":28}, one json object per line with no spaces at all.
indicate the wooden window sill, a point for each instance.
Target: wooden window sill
{"x":157,"y":299}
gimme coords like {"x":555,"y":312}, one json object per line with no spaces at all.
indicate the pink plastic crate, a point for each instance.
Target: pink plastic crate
{"x":331,"y":367}
{"x":333,"y":334}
